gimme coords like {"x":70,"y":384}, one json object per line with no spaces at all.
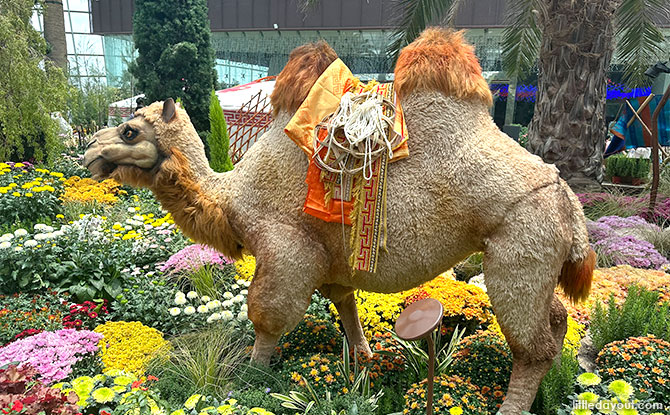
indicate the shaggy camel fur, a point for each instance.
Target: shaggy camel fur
{"x":466,"y":187}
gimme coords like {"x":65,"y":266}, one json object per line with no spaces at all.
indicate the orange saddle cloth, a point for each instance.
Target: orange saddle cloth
{"x":347,"y":199}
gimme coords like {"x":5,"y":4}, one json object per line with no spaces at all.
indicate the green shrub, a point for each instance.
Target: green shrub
{"x":258,"y":398}
{"x":449,"y":392}
{"x":311,"y":336}
{"x":642,"y":361}
{"x":485,"y":360}
{"x":218,"y":137}
{"x":22,"y":312}
{"x":639,"y":315}
{"x":557,"y":385}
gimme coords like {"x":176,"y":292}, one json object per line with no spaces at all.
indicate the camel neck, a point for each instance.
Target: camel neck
{"x":197,"y":203}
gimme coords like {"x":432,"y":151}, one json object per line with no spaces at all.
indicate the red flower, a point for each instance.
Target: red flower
{"x":151,"y":377}
{"x":103,"y":412}
{"x":78,"y":323}
{"x":93,"y":315}
{"x":18,"y":406}
{"x":135,"y":384}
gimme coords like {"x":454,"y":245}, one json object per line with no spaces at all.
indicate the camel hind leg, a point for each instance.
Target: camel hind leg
{"x":521,"y":266}
{"x":344,"y":300}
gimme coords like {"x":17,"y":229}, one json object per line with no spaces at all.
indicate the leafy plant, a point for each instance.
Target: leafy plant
{"x":639,"y":315}
{"x":642,"y":361}
{"x":557,"y":384}
{"x":21,"y":393}
{"x":449,"y":392}
{"x":218,"y":137}
{"x":310,"y":336}
{"x":22,"y":312}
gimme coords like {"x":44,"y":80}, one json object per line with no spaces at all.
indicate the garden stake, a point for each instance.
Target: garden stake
{"x":418,"y":321}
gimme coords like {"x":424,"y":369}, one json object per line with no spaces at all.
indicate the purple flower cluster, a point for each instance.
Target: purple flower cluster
{"x":615,"y":237}
{"x":52,"y":353}
{"x":637,"y":205}
{"x":193,"y":257}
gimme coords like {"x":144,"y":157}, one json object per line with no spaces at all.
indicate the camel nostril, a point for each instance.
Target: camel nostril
{"x":90,"y":143}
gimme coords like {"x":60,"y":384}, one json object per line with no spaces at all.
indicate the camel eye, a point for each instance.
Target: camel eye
{"x":129,"y":134}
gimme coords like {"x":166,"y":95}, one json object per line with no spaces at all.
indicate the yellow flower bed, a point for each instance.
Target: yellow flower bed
{"x":616,"y":280}
{"x":378,"y":312}
{"x":246,"y":267}
{"x":88,"y":190}
{"x":573,"y":337}
{"x":128,"y":346}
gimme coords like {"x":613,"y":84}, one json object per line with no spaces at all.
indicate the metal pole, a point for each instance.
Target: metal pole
{"x":654,"y":152}
{"x":431,"y":374}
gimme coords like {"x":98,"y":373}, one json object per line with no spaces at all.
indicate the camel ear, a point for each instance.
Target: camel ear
{"x":168,"y":110}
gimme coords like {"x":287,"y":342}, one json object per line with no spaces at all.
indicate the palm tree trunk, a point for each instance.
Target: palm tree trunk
{"x":568,"y":128}
{"x":54,"y":33}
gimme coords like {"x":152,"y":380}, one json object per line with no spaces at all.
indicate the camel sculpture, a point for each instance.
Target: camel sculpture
{"x":466,"y":187}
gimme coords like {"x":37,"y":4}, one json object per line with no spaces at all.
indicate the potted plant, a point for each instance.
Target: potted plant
{"x":613,"y":169}
{"x":641,"y":172}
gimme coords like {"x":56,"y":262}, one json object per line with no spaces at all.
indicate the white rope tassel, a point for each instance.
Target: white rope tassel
{"x":362,"y":119}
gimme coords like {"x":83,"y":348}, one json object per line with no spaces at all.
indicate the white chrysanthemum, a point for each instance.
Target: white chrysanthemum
{"x":213,"y":317}
{"x":228,"y":295}
{"x":131,"y":210}
{"x":5,"y":245}
{"x":244,"y":307}
{"x":180,"y":300}
{"x":40,"y":227}
{"x":213,"y":304}
{"x":191,"y":295}
{"x":234,"y":286}
{"x":20,"y":232}
{"x":189,"y":310}
{"x":244,"y":292}
{"x":238,"y":298}
{"x":240,"y":282}
{"x":48,"y":229}
{"x":40,"y":236}
{"x":18,"y":248}
{"x":175,"y":311}
{"x":226,"y":315}
{"x":30,"y":243}
{"x":242,"y":316}
{"x":6,"y":237}
{"x":202,"y":309}
{"x":226,"y":304}
{"x":247,"y":283}
{"x":205,"y":299}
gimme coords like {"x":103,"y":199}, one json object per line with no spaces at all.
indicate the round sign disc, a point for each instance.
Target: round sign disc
{"x":419,"y":319}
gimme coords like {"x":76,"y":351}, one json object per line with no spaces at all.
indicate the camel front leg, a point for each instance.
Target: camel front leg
{"x":285,"y":279}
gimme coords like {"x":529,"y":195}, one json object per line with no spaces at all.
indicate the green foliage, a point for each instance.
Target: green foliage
{"x":218,"y":137}
{"x":622,"y":166}
{"x":175,"y":58}
{"x":28,"y":195}
{"x":640,"y":315}
{"x":31,"y":88}
{"x":258,"y":398}
{"x":642,"y":361}
{"x":471,"y":266}
{"x":22,"y":312}
{"x":205,"y":362}
{"x":556,"y":385}
{"x":89,"y":104}
{"x":485,"y":360}
{"x":310,"y":336}
{"x":522,"y":36}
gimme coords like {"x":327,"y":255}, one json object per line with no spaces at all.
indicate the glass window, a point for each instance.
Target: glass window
{"x":80,"y":22}
{"x":36,"y":20}
{"x":91,"y":65}
{"x":88,"y":44}
{"x":76,"y":5}
{"x":70,"y":44}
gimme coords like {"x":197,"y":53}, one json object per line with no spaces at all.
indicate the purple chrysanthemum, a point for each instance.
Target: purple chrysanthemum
{"x":193,"y":257}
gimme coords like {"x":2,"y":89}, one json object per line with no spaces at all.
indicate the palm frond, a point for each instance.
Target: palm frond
{"x":415,"y":15}
{"x":522,"y":36}
{"x":639,"y":38}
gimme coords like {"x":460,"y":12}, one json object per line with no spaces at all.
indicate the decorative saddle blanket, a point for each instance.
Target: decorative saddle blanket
{"x":350,"y":131}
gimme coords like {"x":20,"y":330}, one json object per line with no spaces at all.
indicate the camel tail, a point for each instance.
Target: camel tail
{"x":577,"y":273}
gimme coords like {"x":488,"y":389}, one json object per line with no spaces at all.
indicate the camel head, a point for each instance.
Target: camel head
{"x":133,"y":152}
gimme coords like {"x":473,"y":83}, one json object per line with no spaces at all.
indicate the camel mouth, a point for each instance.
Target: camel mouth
{"x":100,"y":168}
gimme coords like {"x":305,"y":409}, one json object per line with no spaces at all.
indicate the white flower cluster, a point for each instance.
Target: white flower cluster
{"x":233,"y":307}
{"x":21,"y":237}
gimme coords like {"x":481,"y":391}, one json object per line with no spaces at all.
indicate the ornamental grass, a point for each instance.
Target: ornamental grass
{"x":129,"y":346}
{"x":642,"y":361}
{"x":616,"y":281}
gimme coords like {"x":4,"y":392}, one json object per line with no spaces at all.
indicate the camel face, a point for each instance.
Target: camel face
{"x":132,"y":144}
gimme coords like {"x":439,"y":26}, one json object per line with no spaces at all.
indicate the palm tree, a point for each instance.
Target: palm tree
{"x":54,"y":33}
{"x":574,"y":41}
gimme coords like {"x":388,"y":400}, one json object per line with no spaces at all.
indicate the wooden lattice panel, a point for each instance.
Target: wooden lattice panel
{"x":247,"y":124}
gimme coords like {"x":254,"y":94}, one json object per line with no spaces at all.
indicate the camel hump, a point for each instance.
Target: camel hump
{"x":305,"y":64}
{"x":441,"y":60}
